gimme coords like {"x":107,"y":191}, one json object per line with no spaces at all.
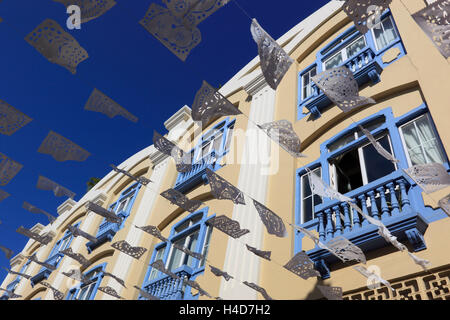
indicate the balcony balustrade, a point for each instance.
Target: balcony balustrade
{"x":187,"y":180}
{"x":106,"y":232}
{"x":44,"y":273}
{"x":167,"y":288}
{"x":387,"y":199}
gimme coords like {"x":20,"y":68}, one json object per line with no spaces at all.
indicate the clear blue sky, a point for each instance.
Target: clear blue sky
{"x":126,"y":63}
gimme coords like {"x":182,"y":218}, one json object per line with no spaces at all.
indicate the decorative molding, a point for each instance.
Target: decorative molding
{"x":99,"y":199}
{"x":38,"y":228}
{"x":16,"y":260}
{"x":157,"y":157}
{"x":180,"y":116}
{"x":66,"y":206}
{"x":255,"y":85}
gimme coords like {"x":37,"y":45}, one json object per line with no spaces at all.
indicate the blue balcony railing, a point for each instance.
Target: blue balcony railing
{"x":165,"y":287}
{"x":44,"y":273}
{"x":365,"y":69}
{"x":387,"y":199}
{"x":106,"y":232}
{"x":187,"y":180}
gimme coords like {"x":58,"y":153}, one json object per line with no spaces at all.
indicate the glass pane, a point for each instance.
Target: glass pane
{"x":389,"y":31}
{"x":306,"y":79}
{"x":348,"y":171}
{"x":229,"y":137}
{"x":376,"y":165}
{"x":356,"y":47}
{"x":218,"y":142}
{"x":334,"y":61}
{"x":196,"y":219}
{"x":379,"y":38}
{"x":372,"y":125}
{"x":313,"y":72}
{"x":205,"y":149}
{"x":192,"y":245}
{"x":182,"y":226}
{"x":306,"y":189}
{"x":307,"y":210}
{"x":159,"y":256}
{"x":411,"y":136}
{"x":91,"y":289}
{"x":175,"y":258}
{"x":82,"y":294}
{"x":433,"y":152}
{"x":206,"y":246}
{"x":342,"y":142}
{"x":416,"y":156}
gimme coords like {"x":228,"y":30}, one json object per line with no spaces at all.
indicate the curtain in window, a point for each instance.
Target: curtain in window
{"x":429,"y":139}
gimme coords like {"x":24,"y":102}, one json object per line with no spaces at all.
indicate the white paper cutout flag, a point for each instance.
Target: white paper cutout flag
{"x":275,"y":62}
{"x":3,"y":195}
{"x":33,"y":209}
{"x":430,"y":177}
{"x":62,"y":149}
{"x":340,"y":86}
{"x":444,"y":203}
{"x":282,"y":132}
{"x":8,"y":169}
{"x":99,"y":102}
{"x":365,"y":13}
{"x":11,"y":119}
{"x":58,"y":190}
{"x":171,"y":31}
{"x":378,"y":146}
{"x":373,"y":276}
{"x":56,"y":45}
{"x":319,"y":187}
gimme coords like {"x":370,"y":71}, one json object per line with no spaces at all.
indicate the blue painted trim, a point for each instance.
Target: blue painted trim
{"x":73,"y":292}
{"x":194,"y":269}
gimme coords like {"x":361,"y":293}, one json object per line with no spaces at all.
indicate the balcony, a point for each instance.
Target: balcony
{"x":389,"y":199}
{"x":365,"y":69}
{"x":167,"y":288}
{"x":188,"y":180}
{"x":105,"y":233}
{"x":44,"y":273}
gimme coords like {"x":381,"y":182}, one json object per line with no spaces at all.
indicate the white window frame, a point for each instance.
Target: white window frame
{"x":302,"y":216}
{"x":382,"y":27}
{"x":343,"y":51}
{"x":310,"y":82}
{"x":405,"y":148}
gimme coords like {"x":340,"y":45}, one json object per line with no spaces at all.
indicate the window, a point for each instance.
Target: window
{"x":360,"y":165}
{"x":307,"y":83}
{"x":87,"y":290}
{"x":345,"y":53}
{"x":308,"y":199}
{"x":421,"y":142}
{"x":159,"y":255}
{"x":384,"y":33}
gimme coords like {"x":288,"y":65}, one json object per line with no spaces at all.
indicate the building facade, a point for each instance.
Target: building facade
{"x":394,"y":63}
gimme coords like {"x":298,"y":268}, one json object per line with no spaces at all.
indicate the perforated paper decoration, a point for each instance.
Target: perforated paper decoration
{"x":120,"y":281}
{"x":219,"y":273}
{"x":228,"y":226}
{"x":182,"y":159}
{"x":159,"y":265}
{"x":259,"y":289}
{"x":387,"y":155}
{"x":77,"y":257}
{"x":26,"y":276}
{"x":373,"y":276}
{"x":331,"y":293}
{"x":222,"y":189}
{"x":58,"y":190}
{"x":192,"y":12}
{"x":340,"y":86}
{"x":210,"y":103}
{"x":345,"y":250}
{"x":10,"y":294}
{"x":56,"y":45}
{"x":263,"y":254}
{"x":302,"y":266}
{"x":99,"y":102}
{"x":8,"y":252}
{"x":125,"y":247}
{"x":57,"y":295}
{"x":76,"y":274}
{"x":110,"y":291}
{"x":179,"y":199}
{"x":444,"y":203}
{"x":90,"y":9}
{"x":171,"y":31}
{"x":77,"y":232}
{"x":273,"y":223}
{"x":421,"y":262}
{"x":11,"y":119}
{"x":44,"y":264}
{"x":3,"y":195}
{"x":189,"y":252}
{"x":142,"y":180}
{"x":62,"y":149}
{"x":365,"y":13}
{"x":44,"y":239}
{"x":36,"y":210}
{"x":154,"y":231}
{"x":194,"y":285}
{"x":319,"y":187}
{"x":8,"y":169}
{"x":282,"y":132}
{"x":275,"y":62}
{"x":430,"y":177}
{"x":108,"y":215}
{"x":434,"y":21}
{"x":145,"y":294}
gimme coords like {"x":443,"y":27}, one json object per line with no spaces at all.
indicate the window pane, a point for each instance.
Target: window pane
{"x":348,"y":171}
{"x":342,"y":142}
{"x":411,"y":136}
{"x":191,"y":246}
{"x":229,"y":137}
{"x":379,"y":38}
{"x":307,"y":210}
{"x":334,"y":61}
{"x":159,"y":256}
{"x":218,"y":142}
{"x":182,"y":226}
{"x":385,"y":33}
{"x":389,"y":31}
{"x":376,"y":165}
{"x":306,"y":189}
{"x":206,"y":246}
{"x":356,"y":47}
{"x":175,"y":259}
{"x":433,"y":152}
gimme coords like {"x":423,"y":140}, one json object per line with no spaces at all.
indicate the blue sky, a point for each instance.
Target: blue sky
{"x":130,"y":66}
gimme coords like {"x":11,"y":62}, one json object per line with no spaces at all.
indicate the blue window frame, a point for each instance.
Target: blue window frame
{"x":208,"y":152}
{"x":122,"y":208}
{"x":361,"y":53}
{"x":194,"y":233}
{"x":88,"y":289}
{"x":389,"y":195}
{"x":55,"y":256}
